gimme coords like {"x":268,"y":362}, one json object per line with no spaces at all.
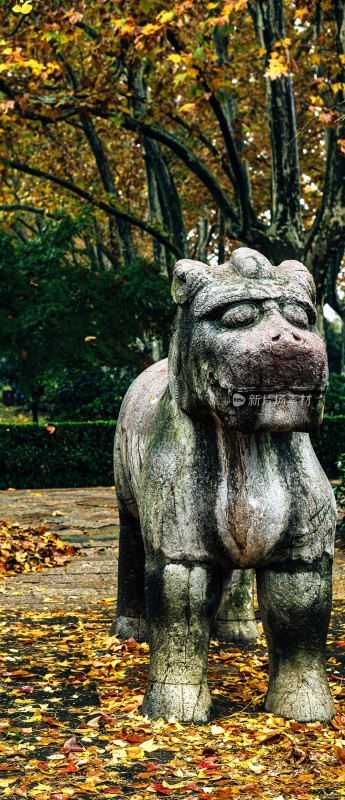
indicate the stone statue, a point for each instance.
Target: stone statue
{"x":215,"y":472}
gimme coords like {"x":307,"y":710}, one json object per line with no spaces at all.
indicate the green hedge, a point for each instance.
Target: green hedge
{"x":75,"y":454}
{"x":81,"y":453}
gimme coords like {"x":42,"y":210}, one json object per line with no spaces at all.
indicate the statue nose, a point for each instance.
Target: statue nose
{"x":281,"y":330}
{"x":285,"y":336}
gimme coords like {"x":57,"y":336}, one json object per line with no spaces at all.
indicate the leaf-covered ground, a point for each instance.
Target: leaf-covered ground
{"x":24,"y":549}
{"x":71,"y":724}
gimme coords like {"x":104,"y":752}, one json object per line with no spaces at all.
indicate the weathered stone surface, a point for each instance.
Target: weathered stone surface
{"x":215,"y":472}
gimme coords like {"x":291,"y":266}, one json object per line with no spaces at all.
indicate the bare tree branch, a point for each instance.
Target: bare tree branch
{"x":89,"y":198}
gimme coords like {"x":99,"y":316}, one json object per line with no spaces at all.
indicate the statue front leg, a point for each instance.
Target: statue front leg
{"x":295,"y":603}
{"x":181,"y":602}
{"x":235,"y":621}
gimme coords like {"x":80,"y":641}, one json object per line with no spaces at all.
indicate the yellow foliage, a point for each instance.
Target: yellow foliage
{"x":283,"y":43}
{"x":175,"y":58}
{"x":165,"y":16}
{"x":24,"y":8}
{"x":337,"y":87}
{"x":277,"y":66}
{"x":188,"y":107}
{"x":234,"y":5}
{"x":149,"y":29}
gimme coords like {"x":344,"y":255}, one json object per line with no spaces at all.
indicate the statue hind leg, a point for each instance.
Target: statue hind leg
{"x":235,"y":621}
{"x":130,"y":616}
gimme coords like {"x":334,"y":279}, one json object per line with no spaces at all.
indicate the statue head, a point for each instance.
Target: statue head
{"x":246,"y":345}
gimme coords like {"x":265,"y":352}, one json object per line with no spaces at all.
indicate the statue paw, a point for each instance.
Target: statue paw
{"x":130,"y":627}
{"x":304,"y":698}
{"x":186,"y":703}
{"x":242,"y":631}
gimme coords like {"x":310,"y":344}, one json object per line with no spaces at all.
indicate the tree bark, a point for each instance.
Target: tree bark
{"x":203,"y":238}
{"x":223,"y":110}
{"x":34,"y":411}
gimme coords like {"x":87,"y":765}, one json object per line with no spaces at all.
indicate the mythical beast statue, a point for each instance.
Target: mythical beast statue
{"x":215,"y":472}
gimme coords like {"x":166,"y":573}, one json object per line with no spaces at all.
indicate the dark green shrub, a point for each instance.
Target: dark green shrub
{"x":75,"y":454}
{"x":329,"y":444}
{"x":333,"y":336}
{"x":335,"y":395}
{"x":340,"y":490}
{"x":59,"y":317}
{"x":88,"y":396}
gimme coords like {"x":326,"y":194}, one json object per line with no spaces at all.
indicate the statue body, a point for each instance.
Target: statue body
{"x":215,"y":473}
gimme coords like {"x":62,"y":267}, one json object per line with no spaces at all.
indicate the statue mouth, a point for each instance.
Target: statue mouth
{"x":257,"y":397}
{"x":268,"y":392}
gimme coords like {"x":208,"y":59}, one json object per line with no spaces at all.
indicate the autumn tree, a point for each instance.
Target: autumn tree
{"x":196,"y":125}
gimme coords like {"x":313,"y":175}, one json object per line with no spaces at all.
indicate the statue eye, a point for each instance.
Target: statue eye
{"x":296,"y":315}
{"x":240,"y":315}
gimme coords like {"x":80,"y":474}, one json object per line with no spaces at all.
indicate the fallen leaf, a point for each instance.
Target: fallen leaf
{"x":134,"y":753}
{"x":217,"y":730}
{"x":71,"y":746}
{"x":340,"y":753}
{"x":149,"y":746}
{"x":159,"y":788}
{"x":208,"y":763}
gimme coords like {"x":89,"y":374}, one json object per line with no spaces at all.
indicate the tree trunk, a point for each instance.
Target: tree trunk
{"x":163,"y":198}
{"x":325,"y":244}
{"x":34,"y":411}
{"x":123,"y":227}
{"x":286,"y":220}
{"x":159,"y":252}
{"x":203,"y":237}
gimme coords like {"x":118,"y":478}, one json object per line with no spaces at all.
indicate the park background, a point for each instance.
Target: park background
{"x":134,"y":133}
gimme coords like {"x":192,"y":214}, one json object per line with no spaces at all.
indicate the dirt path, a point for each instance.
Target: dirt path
{"x":88,"y":518}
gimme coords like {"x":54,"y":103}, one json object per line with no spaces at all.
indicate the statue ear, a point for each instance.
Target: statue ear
{"x":250,"y":263}
{"x":188,"y":277}
{"x":297,"y":271}
{"x":177,"y":362}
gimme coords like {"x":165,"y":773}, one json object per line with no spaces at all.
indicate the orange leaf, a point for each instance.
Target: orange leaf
{"x":50,"y":428}
{"x":340,"y":753}
{"x":338,"y":722}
